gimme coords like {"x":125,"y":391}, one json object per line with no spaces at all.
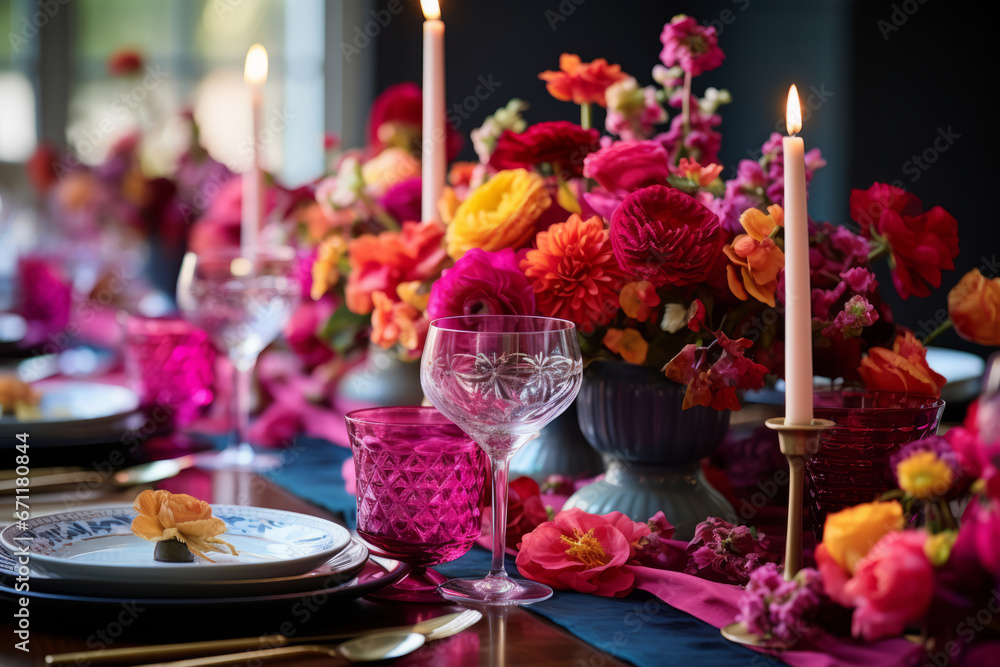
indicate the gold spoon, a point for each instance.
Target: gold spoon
{"x":367,"y":648}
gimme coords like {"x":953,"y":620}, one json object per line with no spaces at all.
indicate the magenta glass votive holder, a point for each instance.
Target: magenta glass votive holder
{"x":171,"y":365}
{"x":420,"y":482}
{"x":852,"y":464}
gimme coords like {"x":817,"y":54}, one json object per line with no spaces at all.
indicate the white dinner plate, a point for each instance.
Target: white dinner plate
{"x":339,"y":569}
{"x":69,"y":407}
{"x":98,"y":545}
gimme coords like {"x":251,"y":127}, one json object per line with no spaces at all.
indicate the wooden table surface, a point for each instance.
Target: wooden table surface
{"x":513,"y":637}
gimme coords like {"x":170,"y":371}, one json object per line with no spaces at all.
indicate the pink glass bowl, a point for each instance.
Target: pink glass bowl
{"x":852,"y":464}
{"x":419,"y":483}
{"x":170,"y":364}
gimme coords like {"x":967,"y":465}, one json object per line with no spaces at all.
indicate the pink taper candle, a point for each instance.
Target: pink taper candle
{"x":798,"y":300}
{"x":433,"y":156}
{"x":252,"y":210}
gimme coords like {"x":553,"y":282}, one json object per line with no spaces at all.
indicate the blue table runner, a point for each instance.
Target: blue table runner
{"x":639,"y":629}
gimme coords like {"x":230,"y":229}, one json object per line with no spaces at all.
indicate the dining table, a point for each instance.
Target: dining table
{"x":510,"y":635}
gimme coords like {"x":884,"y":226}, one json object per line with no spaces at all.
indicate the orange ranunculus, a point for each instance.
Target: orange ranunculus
{"x":629,"y":343}
{"x":573,"y":272}
{"x":500,"y":213}
{"x":380,"y":263}
{"x":581,"y":82}
{"x":903,"y":368}
{"x":756,"y":259}
{"x":167,"y":516}
{"x":974,"y":308}
{"x":849,"y":534}
{"x":639,"y":299}
{"x":396,"y":322}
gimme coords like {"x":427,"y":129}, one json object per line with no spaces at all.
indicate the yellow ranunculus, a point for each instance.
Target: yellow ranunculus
{"x":923,"y":475}
{"x":851,"y":533}
{"x":501,"y":213}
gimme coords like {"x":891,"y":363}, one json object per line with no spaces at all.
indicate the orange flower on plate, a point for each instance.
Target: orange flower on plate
{"x":167,"y":516}
{"x":756,"y":259}
{"x":500,"y":213}
{"x":629,"y":343}
{"x":903,"y":368}
{"x":574,"y":273}
{"x":974,"y":308}
{"x":581,"y":82}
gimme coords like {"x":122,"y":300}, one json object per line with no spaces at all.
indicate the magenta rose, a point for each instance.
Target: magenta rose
{"x":402,"y":200}
{"x":482,"y":283}
{"x":892,"y":586}
{"x":583,"y":552}
{"x":625,"y":166}
{"x":664,"y":236}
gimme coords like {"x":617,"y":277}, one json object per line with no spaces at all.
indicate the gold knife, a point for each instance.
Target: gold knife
{"x":192,"y":649}
{"x":144,"y":473}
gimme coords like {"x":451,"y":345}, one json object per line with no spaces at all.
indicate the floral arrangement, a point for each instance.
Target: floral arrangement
{"x":635,"y":236}
{"x":164,"y":516}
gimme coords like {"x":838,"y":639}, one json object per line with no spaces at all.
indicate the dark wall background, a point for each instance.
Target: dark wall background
{"x":882,"y":78}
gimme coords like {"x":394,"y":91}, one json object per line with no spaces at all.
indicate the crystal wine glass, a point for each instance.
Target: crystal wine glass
{"x":500,"y":378}
{"x":420,"y":485}
{"x":242,"y":298}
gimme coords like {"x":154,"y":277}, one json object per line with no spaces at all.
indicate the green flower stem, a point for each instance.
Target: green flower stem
{"x":948,"y":518}
{"x":585,"y":116}
{"x":387,"y":220}
{"x":878,"y":251}
{"x":686,"y":103}
{"x":944,"y":326}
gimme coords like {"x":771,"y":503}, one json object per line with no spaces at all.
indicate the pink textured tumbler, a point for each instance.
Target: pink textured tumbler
{"x":170,"y":363}
{"x":420,"y":490}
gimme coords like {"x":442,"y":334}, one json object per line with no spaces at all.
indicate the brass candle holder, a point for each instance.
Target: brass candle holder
{"x":798,"y":442}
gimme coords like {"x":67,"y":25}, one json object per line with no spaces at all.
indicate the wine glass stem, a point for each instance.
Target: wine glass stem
{"x":500,"y":469}
{"x":243,"y":394}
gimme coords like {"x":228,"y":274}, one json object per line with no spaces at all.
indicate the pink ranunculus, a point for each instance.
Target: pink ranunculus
{"x":690,"y":45}
{"x":892,"y":586}
{"x":402,"y":200}
{"x":583,"y":552}
{"x":626,"y":166}
{"x":664,"y":236}
{"x":482,"y":283}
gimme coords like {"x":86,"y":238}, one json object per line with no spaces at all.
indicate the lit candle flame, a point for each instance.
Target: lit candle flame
{"x":793,"y":112}
{"x":255,"y":69}
{"x":432,"y":10}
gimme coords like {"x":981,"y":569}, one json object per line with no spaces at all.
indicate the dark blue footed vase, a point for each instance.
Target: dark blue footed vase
{"x":632,"y":415}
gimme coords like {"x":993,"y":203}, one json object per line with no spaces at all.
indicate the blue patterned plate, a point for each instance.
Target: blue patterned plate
{"x":98,"y":545}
